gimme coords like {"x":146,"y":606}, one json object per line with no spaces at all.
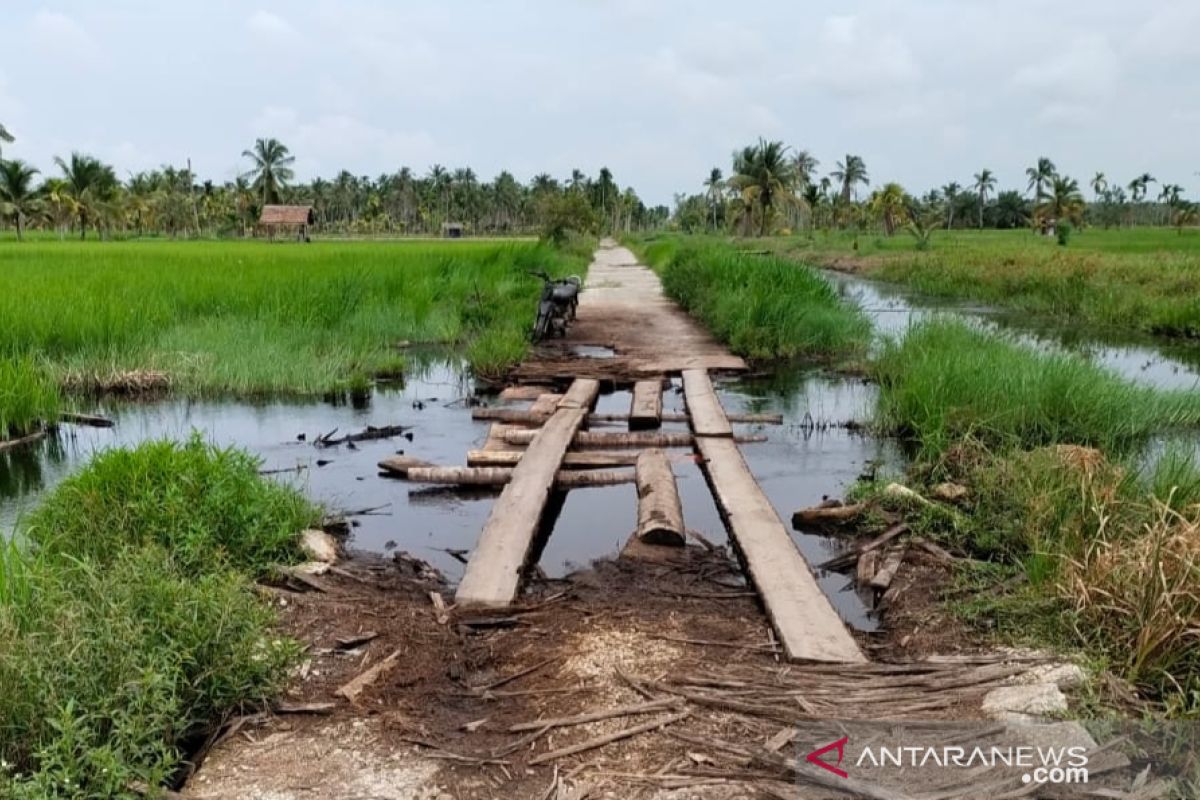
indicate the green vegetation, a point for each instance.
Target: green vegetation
{"x":27,"y":396}
{"x":945,"y":381}
{"x":761,"y":307}
{"x":252,"y":318}
{"x":1144,"y":279}
{"x":128,"y":620}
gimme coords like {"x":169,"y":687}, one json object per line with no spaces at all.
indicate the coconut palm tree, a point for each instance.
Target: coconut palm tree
{"x":6,"y":137}
{"x":1099,"y":184}
{"x":890,"y":204}
{"x":272,"y":168}
{"x":715,"y":186}
{"x":985,"y":181}
{"x":764,"y":174}
{"x":1041,"y":175}
{"x":1063,"y":201}
{"x":90,"y":185}
{"x":850,"y":173}
{"x":17,"y":197}
{"x":805,"y":166}
{"x":951,"y":191}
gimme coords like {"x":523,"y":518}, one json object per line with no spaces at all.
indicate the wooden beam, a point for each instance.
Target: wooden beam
{"x":499,"y":476}
{"x":525,"y":391}
{"x":592,"y":459}
{"x":546,"y":404}
{"x":660,"y":514}
{"x":708,"y":417}
{"x":645,"y":410}
{"x":493,"y":572}
{"x":518,"y":436}
{"x":522,"y":416}
{"x":805,"y":621}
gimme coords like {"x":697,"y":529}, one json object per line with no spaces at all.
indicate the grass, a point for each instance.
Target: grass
{"x":251,"y":318}
{"x":762,"y":307}
{"x":28,"y":396}
{"x":128,"y":618}
{"x":1143,"y":279}
{"x":945,"y":381}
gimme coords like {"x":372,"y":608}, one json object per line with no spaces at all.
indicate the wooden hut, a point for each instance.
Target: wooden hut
{"x":453,"y":230}
{"x":297,"y":218}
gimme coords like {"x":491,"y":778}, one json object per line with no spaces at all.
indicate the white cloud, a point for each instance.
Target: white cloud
{"x":1087,"y":67}
{"x":272,"y":27}
{"x":62,"y":35}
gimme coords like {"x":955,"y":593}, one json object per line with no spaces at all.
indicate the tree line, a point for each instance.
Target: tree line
{"x":772,"y":187}
{"x":82,"y":194}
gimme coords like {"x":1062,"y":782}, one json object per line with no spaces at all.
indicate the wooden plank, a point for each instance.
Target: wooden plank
{"x":592,"y":459}
{"x":708,"y":418}
{"x":645,"y":410}
{"x":499,"y":476}
{"x":805,"y":621}
{"x":582,"y":394}
{"x":545,"y":404}
{"x":522,"y":416}
{"x":527,"y":391}
{"x":493,"y":572}
{"x":660,"y":514}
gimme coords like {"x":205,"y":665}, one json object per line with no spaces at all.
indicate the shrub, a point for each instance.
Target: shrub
{"x":1062,"y":230}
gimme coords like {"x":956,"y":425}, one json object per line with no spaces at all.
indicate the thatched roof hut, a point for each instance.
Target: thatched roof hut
{"x":298,"y":217}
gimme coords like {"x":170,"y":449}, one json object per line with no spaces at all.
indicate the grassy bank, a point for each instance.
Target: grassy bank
{"x":255,"y":318}
{"x":1094,"y":546}
{"x":28,"y":395}
{"x":128,"y":620}
{"x":762,"y":307}
{"x":1143,"y":279}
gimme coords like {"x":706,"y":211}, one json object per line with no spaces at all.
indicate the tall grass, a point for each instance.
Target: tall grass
{"x":252,"y":317}
{"x":945,"y":380}
{"x":127,"y":621}
{"x":28,"y":396}
{"x":762,"y":307}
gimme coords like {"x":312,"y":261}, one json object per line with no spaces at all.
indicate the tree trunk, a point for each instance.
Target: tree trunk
{"x":20,"y":224}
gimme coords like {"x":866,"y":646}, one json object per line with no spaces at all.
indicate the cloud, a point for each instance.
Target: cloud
{"x":1087,"y":67}
{"x":56,"y":32}
{"x":853,"y":57}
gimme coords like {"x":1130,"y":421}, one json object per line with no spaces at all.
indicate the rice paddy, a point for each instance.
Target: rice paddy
{"x":247,"y":318}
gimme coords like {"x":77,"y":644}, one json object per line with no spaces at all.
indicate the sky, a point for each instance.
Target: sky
{"x":660,"y":91}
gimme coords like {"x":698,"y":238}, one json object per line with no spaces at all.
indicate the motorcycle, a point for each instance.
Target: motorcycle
{"x":557,"y":306}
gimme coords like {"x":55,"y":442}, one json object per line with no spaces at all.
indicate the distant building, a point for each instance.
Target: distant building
{"x":290,"y":218}
{"x":452,"y":230}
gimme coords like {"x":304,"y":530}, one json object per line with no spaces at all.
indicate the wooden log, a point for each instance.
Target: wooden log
{"x":546,"y":404}
{"x":645,"y":410}
{"x":820,"y":516}
{"x":887,"y":571}
{"x":12,"y":444}
{"x":805,"y":621}
{"x":592,"y":459}
{"x":90,"y":420}
{"x":522,"y":416}
{"x":501,"y":476}
{"x":493,"y":573}
{"x":708,"y":417}
{"x":632,"y":439}
{"x":865,"y":569}
{"x":527,"y":391}
{"x":660,"y":514}
{"x":400,"y":465}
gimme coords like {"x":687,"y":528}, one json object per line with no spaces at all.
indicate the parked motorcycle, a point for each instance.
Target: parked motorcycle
{"x":557,"y":306}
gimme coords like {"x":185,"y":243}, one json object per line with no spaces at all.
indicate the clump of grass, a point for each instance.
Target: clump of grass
{"x":761,"y":306}
{"x":128,"y":620}
{"x":945,"y":380}
{"x":206,"y":505}
{"x":28,"y":397}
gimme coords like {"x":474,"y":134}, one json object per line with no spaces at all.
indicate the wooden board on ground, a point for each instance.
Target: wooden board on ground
{"x":546,"y":404}
{"x":526,"y":391}
{"x":805,"y":621}
{"x":524,"y":436}
{"x":499,"y":476}
{"x":708,"y":417}
{"x":493,"y":572}
{"x":521,"y":416}
{"x":593,"y":459}
{"x":645,"y":410}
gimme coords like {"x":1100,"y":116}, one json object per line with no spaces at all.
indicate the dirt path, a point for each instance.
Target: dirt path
{"x":623,"y":308}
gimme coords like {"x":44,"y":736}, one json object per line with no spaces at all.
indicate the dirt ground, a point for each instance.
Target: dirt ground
{"x":674,"y":637}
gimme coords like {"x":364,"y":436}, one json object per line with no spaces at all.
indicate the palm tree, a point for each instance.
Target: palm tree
{"x":763,"y":173}
{"x":1139,"y":186}
{"x":715,"y":184}
{"x":1012,"y":210}
{"x":17,"y":197}
{"x":985,"y":181}
{"x":805,"y":165}
{"x":90,"y":184}
{"x":272,"y":168}
{"x":849,"y":173}
{"x":1040,"y":175}
{"x":890,"y":204}
{"x":951,"y":191}
{"x":1063,"y":200}
{"x":1099,"y":184}
{"x":5,"y":136}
